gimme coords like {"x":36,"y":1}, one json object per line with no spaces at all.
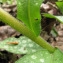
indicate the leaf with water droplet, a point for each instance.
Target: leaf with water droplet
{"x":43,"y":56}
{"x":22,"y":45}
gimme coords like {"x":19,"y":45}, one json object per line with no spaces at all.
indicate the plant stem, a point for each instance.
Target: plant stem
{"x":16,"y":24}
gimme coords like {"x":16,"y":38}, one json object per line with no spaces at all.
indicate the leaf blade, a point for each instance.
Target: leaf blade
{"x":29,"y":12}
{"x":59,"y":18}
{"x":24,"y":46}
{"x":42,"y":56}
{"x":60,"y":6}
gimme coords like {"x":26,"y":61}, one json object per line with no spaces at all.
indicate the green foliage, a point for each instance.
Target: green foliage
{"x":4,"y":0}
{"x":60,"y":6}
{"x":60,"y":0}
{"x":8,"y":1}
{"x":28,"y":11}
{"x":59,"y":18}
{"x":24,"y":46}
{"x":54,"y":32}
{"x":0,"y":0}
{"x":43,"y":56}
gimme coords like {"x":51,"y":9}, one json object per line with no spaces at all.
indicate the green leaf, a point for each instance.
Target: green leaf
{"x":48,"y":15}
{"x":24,"y":46}
{"x":28,"y":11}
{"x":4,"y":0}
{"x":8,"y":1}
{"x":59,"y":18}
{"x":60,"y":0}
{"x":54,"y":32}
{"x":42,"y":57}
{"x":0,"y":0}
{"x":57,"y":57}
{"x":60,"y":6}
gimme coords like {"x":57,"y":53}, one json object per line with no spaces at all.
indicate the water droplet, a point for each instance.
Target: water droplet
{"x":30,"y":45}
{"x":36,"y":3}
{"x":6,"y":47}
{"x":24,"y":41}
{"x":33,"y":57}
{"x":42,"y":60}
{"x":33,"y":50}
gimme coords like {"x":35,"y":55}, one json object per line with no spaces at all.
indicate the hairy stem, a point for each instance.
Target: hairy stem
{"x":17,"y":25}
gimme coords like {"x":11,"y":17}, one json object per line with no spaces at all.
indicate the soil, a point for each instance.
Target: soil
{"x":6,"y":31}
